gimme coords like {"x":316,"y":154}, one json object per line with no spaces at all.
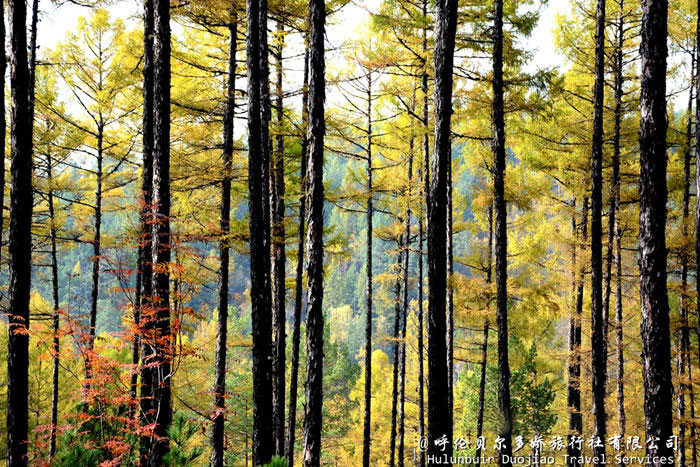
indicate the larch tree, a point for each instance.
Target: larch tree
{"x":313,"y":420}
{"x":658,"y":387}
{"x":439,"y":417}
{"x":20,"y":244}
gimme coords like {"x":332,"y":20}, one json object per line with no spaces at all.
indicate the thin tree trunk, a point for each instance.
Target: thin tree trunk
{"x":298,"y":281}
{"x":217,"y":438}
{"x":573,"y":396}
{"x":143,"y":315}
{"x":396,"y":355}
{"x":450,"y":295}
{"x":367,"y":430}
{"x":405,"y":303}
{"x":96,"y":252}
{"x":3,"y":128}
{"x":619,"y":323}
{"x":162,"y":338}
{"x":485,"y":345}
{"x":55,"y":349}
{"x":439,"y":415}
{"x":505,"y":428}
{"x":656,"y":352}
{"x":278,"y":259}
{"x":598,"y":362}
{"x":258,"y":223}
{"x":313,"y":421}
{"x":20,"y":246}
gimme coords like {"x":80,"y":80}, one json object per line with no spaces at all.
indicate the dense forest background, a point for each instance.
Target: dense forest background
{"x":548,"y":157}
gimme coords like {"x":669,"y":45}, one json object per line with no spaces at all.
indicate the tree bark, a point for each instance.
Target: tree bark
{"x":598,"y":362}
{"x":96,"y":252}
{"x":656,"y":353}
{"x":573,"y":396}
{"x":298,"y":281}
{"x":217,"y":437}
{"x":367,"y":430}
{"x":143,"y":314}
{"x":396,"y":355}
{"x":278,"y":258}
{"x":499,"y":166}
{"x":162,"y":240}
{"x":258,"y":223}
{"x":3,"y":128}
{"x":450,"y":294}
{"x":20,"y":246}
{"x":439,"y":416}
{"x":55,"y":345}
{"x":314,"y":329}
{"x":485,"y":344}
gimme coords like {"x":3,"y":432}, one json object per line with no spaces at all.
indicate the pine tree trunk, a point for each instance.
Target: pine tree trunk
{"x":96,"y":252}
{"x":656,"y":352}
{"x":598,"y":362}
{"x":505,"y":428}
{"x":55,"y":345}
{"x":217,"y":437}
{"x":160,"y":384}
{"x":396,"y":355}
{"x":143,"y":316}
{"x":3,"y":128}
{"x":405,"y":303}
{"x":450,"y":295}
{"x":573,"y":396}
{"x":439,"y":416}
{"x":20,"y":245}
{"x":298,"y":281}
{"x":367,"y":430}
{"x":258,"y":184}
{"x":313,"y":421}
{"x":485,"y":345}
{"x":278,"y":259}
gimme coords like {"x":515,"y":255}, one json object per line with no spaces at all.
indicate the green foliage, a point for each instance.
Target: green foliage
{"x":181,"y":432}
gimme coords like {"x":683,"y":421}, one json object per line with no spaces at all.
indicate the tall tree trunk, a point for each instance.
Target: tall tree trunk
{"x":439,"y":415}
{"x":278,"y":258}
{"x":367,"y":430}
{"x":3,"y":129}
{"x":298,"y":280}
{"x":450,"y":295}
{"x":505,"y":428}
{"x":143,"y":315}
{"x":396,"y":353}
{"x":217,"y":437}
{"x":573,"y":396}
{"x":162,"y":240}
{"x":426,"y":194}
{"x":656,"y":352}
{"x":96,"y":252}
{"x":259,"y":222}
{"x":614,"y":222}
{"x":405,"y":303}
{"x":20,"y":246}
{"x":598,"y":362}
{"x":55,"y":346}
{"x":313,"y":421}
{"x":683,"y":338}
{"x":32,"y":55}
{"x":485,"y":344}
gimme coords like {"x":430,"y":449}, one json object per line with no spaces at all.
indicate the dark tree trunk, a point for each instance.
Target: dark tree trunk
{"x":32,"y":55}
{"x":405,"y":303}
{"x":313,"y":421}
{"x":396,"y":352}
{"x":485,"y":345}
{"x":598,"y":362}
{"x":614,"y":224}
{"x":573,"y":395}
{"x":499,"y":167}
{"x":55,"y":348}
{"x":298,"y":280}
{"x":217,"y":437}
{"x":450,"y":295}
{"x":278,"y":259}
{"x":143,"y":315}
{"x":3,"y":125}
{"x":96,"y":252}
{"x":439,"y":416}
{"x":258,"y":223}
{"x":367,"y":430}
{"x":656,"y":352}
{"x":683,"y":338}
{"x":20,"y":246}
{"x":162,"y":240}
